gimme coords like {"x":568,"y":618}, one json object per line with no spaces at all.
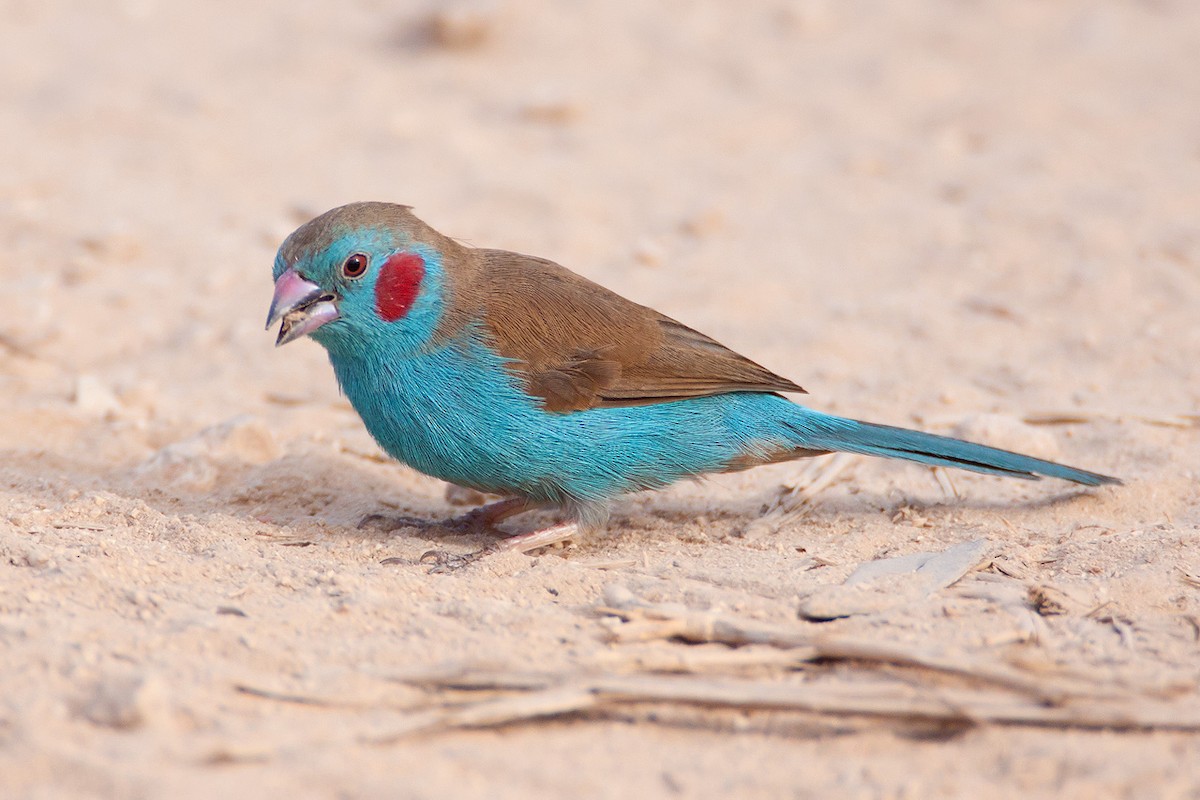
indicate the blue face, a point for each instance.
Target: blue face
{"x":376,"y":289}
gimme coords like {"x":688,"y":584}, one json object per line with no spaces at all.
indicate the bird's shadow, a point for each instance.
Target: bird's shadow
{"x":857,"y":505}
{"x":334,"y":494}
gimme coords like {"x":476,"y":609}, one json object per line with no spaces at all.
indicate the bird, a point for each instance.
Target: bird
{"x":514,"y":376}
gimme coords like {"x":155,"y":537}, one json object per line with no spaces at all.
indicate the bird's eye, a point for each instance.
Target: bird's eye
{"x":355,"y":266}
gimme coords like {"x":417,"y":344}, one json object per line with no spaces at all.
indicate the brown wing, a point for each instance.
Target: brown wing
{"x":579,"y":345}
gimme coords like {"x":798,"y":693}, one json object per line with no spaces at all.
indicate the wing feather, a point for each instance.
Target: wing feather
{"x":578,"y":345}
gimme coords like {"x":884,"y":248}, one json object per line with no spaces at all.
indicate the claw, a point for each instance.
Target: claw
{"x":481,"y":520}
{"x":433,"y":557}
{"x":444,"y":563}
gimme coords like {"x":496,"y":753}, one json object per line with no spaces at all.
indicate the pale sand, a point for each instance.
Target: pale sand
{"x":950,"y":215}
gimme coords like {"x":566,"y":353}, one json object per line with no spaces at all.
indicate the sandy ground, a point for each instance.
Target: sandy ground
{"x":969,"y":217}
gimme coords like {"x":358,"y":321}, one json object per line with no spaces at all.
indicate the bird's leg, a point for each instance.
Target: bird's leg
{"x":521,"y":543}
{"x":486,"y":518}
{"x":524,"y":542}
{"x":585,"y":517}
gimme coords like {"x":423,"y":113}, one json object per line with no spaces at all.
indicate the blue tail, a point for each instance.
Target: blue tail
{"x":824,"y":432}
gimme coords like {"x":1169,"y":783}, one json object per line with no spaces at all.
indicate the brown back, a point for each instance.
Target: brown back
{"x":578,"y":345}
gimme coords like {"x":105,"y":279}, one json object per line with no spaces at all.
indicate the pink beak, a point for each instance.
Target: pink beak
{"x":302,"y":305}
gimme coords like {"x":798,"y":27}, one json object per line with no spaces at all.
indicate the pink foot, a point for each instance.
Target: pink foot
{"x":444,"y":562}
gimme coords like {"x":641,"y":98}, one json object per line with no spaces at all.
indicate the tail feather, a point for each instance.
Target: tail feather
{"x":826,"y":432}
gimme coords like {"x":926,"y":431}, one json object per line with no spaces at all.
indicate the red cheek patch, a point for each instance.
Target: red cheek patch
{"x":397,"y":285}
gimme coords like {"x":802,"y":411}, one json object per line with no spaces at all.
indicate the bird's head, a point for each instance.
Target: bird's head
{"x":360,"y":274}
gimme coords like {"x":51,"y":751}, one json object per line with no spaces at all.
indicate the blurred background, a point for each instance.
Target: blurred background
{"x":891,"y":203}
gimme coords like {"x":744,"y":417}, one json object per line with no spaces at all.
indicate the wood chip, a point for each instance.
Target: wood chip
{"x":889,"y":582}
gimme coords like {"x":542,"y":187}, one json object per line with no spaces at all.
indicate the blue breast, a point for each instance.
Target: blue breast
{"x":458,"y":414}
